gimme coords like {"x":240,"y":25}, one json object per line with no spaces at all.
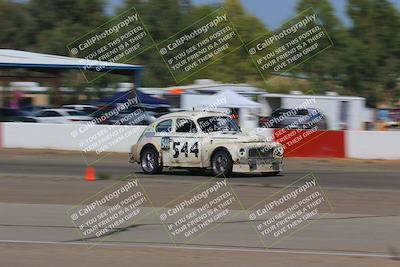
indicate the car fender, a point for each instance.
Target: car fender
{"x":137,"y":149}
{"x":209,"y":150}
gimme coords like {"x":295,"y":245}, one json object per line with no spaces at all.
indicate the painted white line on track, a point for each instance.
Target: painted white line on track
{"x":287,"y":251}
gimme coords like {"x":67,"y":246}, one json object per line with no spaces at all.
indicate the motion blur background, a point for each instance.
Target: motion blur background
{"x":364,"y":61}
{"x":354,"y":155}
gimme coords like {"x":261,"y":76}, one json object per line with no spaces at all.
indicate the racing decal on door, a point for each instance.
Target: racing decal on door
{"x":165,"y":143}
{"x":183,"y":150}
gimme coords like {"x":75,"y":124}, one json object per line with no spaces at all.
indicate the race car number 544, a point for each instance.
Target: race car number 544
{"x":183,"y":149}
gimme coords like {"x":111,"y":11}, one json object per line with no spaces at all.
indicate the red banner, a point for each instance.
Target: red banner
{"x":311,"y":143}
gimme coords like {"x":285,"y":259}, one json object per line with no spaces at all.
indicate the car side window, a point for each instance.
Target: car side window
{"x":42,"y":114}
{"x":164,"y":126}
{"x":49,"y":114}
{"x":185,"y":126}
{"x":53,"y":114}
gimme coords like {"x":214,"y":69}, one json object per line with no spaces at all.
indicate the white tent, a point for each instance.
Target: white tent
{"x":229,"y":99}
{"x":23,"y":59}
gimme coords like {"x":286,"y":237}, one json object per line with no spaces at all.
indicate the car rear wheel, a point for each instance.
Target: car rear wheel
{"x":149,"y":161}
{"x":221,"y":164}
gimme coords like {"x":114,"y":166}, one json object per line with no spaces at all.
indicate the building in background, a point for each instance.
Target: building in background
{"x":341,"y":112}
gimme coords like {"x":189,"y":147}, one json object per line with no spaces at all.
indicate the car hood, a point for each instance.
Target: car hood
{"x":222,"y":137}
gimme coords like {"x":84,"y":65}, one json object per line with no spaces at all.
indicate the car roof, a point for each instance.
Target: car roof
{"x":191,"y":114}
{"x":288,"y":109}
{"x":35,"y":106}
{"x":59,"y":109}
{"x":80,"y":105}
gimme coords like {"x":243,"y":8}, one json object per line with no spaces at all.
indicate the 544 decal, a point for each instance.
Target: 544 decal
{"x":184,"y":150}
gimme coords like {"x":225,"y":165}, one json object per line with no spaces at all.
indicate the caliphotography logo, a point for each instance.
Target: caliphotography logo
{"x":195,"y":133}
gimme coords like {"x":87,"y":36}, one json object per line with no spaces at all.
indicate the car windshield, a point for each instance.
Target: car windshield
{"x":76,"y":113}
{"x":279,"y":112}
{"x":217,"y":124}
{"x":290,"y":112}
{"x":302,"y":112}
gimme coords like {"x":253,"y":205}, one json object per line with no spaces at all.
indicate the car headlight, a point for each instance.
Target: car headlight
{"x":242,"y":152}
{"x":279,"y":151}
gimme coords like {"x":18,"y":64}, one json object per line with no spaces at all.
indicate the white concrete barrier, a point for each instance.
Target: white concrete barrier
{"x":106,"y":138}
{"x":102,"y":138}
{"x":372,"y":144}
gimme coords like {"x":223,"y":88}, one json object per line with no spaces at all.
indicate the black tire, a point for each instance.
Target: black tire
{"x":221,"y":164}
{"x":270,"y":173}
{"x":149,"y":161}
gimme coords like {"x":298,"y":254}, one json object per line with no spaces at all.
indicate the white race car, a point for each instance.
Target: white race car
{"x":206,"y":140}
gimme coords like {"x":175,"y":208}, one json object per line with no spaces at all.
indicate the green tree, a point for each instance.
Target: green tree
{"x":14,"y":25}
{"x":236,"y":66}
{"x":374,"y":58}
{"x":327,"y":65}
{"x":162,"y":19}
{"x":57,"y":23}
{"x":166,"y":18}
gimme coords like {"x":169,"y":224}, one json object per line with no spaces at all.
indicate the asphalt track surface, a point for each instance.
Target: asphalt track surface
{"x":355,"y":174}
{"x":37,"y":188}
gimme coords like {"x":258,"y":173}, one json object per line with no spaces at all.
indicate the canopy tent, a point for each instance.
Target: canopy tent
{"x":145,"y":100}
{"x":36,"y":61}
{"x":54,"y":66}
{"x":229,"y":99}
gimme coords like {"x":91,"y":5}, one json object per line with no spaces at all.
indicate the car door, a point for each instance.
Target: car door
{"x":51,"y":116}
{"x":162,"y":136}
{"x":43,"y":116}
{"x":185,"y":143}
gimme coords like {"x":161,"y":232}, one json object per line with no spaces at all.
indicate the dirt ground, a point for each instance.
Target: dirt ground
{"x":65,"y":255}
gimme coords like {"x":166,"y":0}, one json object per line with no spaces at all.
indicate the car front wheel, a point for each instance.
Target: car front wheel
{"x":149,"y":161}
{"x":221,"y":164}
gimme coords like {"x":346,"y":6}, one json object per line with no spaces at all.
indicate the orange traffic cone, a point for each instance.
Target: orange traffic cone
{"x":90,"y":174}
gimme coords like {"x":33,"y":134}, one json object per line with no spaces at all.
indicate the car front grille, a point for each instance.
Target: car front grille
{"x":261,"y":152}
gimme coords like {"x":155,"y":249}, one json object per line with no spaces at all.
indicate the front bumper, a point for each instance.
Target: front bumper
{"x":131,"y":159}
{"x":259,"y":165}
{"x":134,"y":155}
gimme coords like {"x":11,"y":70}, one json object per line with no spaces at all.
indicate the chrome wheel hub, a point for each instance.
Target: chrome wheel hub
{"x":148,"y":162}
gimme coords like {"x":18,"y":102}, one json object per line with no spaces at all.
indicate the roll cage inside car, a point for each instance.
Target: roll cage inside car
{"x":185,"y":124}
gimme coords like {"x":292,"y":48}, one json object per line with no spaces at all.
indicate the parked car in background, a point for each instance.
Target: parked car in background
{"x":158,"y":111}
{"x":110,"y":115}
{"x":133,"y":117}
{"x":62,"y":115}
{"x":31,"y":110}
{"x":14,"y":115}
{"x":87,"y":109}
{"x":295,"y":119}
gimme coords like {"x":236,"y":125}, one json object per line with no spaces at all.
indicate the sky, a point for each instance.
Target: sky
{"x":274,"y":12}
